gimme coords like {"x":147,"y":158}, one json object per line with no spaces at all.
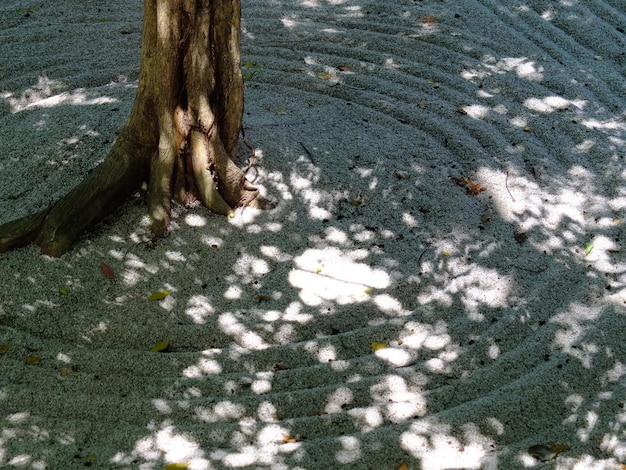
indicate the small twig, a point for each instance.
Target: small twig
{"x":506,"y":184}
{"x":308,"y":152}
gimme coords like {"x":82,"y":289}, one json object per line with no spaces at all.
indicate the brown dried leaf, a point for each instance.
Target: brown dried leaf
{"x":558,"y":448}
{"x":470,"y":186}
{"x":107,"y":271}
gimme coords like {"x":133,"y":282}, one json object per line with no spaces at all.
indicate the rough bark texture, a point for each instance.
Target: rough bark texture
{"x":182,"y":134}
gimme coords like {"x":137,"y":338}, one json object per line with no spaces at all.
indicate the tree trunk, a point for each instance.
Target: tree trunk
{"x":182,"y":134}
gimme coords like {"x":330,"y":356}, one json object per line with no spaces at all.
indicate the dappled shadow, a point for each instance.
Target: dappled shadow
{"x":380,"y":315}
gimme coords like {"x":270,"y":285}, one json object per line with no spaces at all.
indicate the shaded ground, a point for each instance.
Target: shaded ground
{"x":501,"y":313}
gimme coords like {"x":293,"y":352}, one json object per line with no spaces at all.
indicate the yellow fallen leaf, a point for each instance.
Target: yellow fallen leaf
{"x":176,"y":466}
{"x":4,"y":348}
{"x":63,"y":291}
{"x":64,"y":372}
{"x":376,"y":346}
{"x":158,"y":295}
{"x":403,"y":466}
{"x":287,"y":439}
{"x":32,"y":360}
{"x":161,"y":346}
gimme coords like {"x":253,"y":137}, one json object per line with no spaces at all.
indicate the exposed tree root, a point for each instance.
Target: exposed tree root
{"x":182,"y":134}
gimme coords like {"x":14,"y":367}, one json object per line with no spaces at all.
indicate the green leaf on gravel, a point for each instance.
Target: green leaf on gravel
{"x":158,"y":295}
{"x":162,"y":346}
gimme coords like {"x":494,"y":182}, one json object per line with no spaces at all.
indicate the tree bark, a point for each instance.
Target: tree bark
{"x":182,"y":134}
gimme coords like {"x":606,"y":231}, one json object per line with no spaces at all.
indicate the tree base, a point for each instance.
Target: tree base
{"x":182,"y":135}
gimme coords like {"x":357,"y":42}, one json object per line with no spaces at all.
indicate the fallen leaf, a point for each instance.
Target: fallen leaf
{"x":281,"y":366}
{"x":161,"y":346}
{"x":345,"y":68}
{"x":403,"y":466}
{"x":32,"y":360}
{"x":287,"y":439}
{"x":558,"y":448}
{"x":4,"y":348}
{"x":541,"y":452}
{"x":64,"y":372}
{"x":377,"y":346}
{"x":470,"y":186}
{"x":588,"y":248}
{"x":176,"y":466}
{"x":63,"y":291}
{"x":107,"y":271}
{"x":158,"y":295}
{"x":262,"y":298}
{"x":324,"y":76}
{"x":428,"y":19}
{"x":402,"y":175}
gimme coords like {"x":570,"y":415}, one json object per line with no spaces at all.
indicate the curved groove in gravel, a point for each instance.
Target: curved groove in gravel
{"x":500,"y":331}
